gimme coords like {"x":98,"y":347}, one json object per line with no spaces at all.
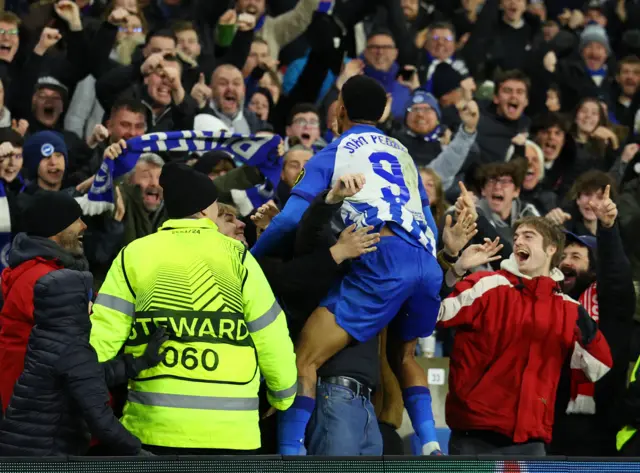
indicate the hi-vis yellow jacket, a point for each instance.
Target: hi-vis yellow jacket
{"x":225,"y":328}
{"x":627,"y":432}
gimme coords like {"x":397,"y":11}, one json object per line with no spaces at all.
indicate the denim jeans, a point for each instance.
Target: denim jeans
{"x":342,"y":424}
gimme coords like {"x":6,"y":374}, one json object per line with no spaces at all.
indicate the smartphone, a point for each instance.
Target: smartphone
{"x":406,"y":74}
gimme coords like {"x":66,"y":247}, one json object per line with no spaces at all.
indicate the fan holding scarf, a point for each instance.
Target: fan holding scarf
{"x":264,"y":153}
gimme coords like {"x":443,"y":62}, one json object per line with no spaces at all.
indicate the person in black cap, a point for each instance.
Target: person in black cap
{"x":188,"y":272}
{"x":445,"y":85}
{"x":597,"y":274}
{"x":215,"y":163}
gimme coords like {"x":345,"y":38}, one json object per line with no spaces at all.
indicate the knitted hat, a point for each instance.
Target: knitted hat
{"x":49,"y":213}
{"x":445,"y":79}
{"x":420,"y":96}
{"x":364,"y":99}
{"x":209,"y":160}
{"x":595,"y":34}
{"x":595,"y":5}
{"x":186,"y":191}
{"x":42,"y":145}
{"x":49,"y":82}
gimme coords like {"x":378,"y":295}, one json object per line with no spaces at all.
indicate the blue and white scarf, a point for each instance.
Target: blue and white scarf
{"x":261,"y":152}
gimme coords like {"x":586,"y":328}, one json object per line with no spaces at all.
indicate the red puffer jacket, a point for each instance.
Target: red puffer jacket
{"x":513,"y":335}
{"x":30,"y":259}
{"x":16,"y":319}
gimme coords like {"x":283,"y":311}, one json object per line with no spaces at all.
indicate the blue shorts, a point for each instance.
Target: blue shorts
{"x":399,"y":279}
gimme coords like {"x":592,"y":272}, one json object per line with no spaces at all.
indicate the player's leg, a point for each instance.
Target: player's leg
{"x":320,"y":339}
{"x":418,"y":320}
{"x":415,"y":391}
{"x":358,"y":307}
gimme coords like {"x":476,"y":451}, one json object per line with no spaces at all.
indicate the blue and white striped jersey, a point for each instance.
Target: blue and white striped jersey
{"x":393,"y":191}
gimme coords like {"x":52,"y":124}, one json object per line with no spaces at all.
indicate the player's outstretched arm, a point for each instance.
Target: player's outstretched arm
{"x":283,"y":224}
{"x":314,"y":178}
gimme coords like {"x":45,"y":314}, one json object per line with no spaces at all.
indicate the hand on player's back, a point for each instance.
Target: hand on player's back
{"x":346,"y":186}
{"x":353,"y":243}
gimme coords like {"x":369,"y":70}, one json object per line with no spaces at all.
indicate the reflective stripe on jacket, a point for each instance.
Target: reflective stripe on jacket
{"x":225,"y":330}
{"x":627,"y":431}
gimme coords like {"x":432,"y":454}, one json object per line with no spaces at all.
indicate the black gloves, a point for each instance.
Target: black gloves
{"x":152,"y":355}
{"x":586,"y":327}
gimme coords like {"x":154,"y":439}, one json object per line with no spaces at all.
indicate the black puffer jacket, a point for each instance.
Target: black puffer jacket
{"x":62,"y":395}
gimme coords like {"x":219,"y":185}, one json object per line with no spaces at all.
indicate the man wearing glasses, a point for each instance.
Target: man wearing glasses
{"x":304,"y":124}
{"x":9,"y":39}
{"x":440,"y":47}
{"x":500,"y":206}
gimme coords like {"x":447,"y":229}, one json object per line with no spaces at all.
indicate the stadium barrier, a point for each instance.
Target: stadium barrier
{"x":277,"y":464}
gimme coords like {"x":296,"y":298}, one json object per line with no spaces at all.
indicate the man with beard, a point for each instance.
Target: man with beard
{"x":53,"y":240}
{"x":597,"y":273}
{"x":511,"y":326}
{"x":142,"y":195}
{"x":46,"y":160}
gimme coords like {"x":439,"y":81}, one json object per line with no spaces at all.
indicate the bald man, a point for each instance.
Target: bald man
{"x":227,"y":100}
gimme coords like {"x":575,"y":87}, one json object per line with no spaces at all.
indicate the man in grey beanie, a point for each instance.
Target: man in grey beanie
{"x":595,"y":49}
{"x":588,"y":76}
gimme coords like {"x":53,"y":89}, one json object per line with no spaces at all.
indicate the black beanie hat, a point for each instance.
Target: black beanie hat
{"x":364,"y":99}
{"x":186,"y":191}
{"x":49,"y":213}
{"x":445,"y":79}
{"x":209,"y":160}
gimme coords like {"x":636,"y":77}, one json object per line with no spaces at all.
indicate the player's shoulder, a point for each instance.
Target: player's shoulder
{"x":365,"y":137}
{"x":323,"y":159}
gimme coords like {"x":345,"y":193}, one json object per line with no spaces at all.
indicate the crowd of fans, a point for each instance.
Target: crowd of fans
{"x":534,"y":105}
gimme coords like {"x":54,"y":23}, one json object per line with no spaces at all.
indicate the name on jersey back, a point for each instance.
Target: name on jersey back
{"x":362,"y":140}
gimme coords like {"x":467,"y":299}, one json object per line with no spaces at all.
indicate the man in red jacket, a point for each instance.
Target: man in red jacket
{"x":514,"y":330}
{"x":53,"y":240}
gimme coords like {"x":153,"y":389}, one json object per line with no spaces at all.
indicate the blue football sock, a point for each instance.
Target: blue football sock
{"x":292,"y":425}
{"x":417,"y":401}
